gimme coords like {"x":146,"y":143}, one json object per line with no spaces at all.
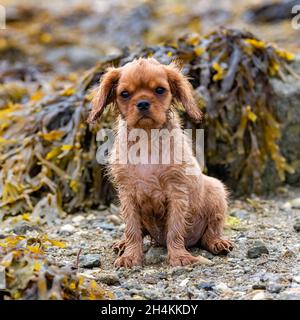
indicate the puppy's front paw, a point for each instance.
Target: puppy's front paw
{"x":128,"y":261}
{"x":182,"y":259}
{"x":220,"y":246}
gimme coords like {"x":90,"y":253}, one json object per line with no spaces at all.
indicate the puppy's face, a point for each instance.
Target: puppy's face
{"x":143,"y":94}
{"x":143,"y":91}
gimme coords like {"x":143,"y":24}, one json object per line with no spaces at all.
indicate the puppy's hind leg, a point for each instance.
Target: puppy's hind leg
{"x":215,"y":210}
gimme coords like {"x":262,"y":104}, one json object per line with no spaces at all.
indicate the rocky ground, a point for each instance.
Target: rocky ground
{"x":263,"y":265}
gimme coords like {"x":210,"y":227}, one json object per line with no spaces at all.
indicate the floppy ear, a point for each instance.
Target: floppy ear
{"x":182,"y":91}
{"x":105,"y":94}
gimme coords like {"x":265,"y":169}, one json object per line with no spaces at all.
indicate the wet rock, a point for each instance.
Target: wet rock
{"x":257,"y":250}
{"x":109,"y":278}
{"x":90,"y":261}
{"x":295,"y":203}
{"x":155,"y":255}
{"x":23,"y":227}
{"x":67,"y":229}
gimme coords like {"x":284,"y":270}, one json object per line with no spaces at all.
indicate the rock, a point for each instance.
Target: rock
{"x":112,"y":218}
{"x":104,"y":226}
{"x":222,"y":288}
{"x":274,"y":287}
{"x":109,"y":278}
{"x":90,"y":261}
{"x":291,"y":294}
{"x":259,"y":295}
{"x":257,"y":250}
{"x":259,"y":286}
{"x":295,"y":203}
{"x":113,"y":209}
{"x":286,"y":105}
{"x":184,"y":282}
{"x":241,"y":214}
{"x":22,"y":227}
{"x":155,"y":255}
{"x":2,"y":278}
{"x":67,"y":229}
{"x":286,"y":206}
{"x":297,"y":226}
{"x":78,"y":219}
{"x":207,"y":286}
{"x":296,"y":279}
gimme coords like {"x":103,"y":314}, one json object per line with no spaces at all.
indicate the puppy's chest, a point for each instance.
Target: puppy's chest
{"x":148,"y":186}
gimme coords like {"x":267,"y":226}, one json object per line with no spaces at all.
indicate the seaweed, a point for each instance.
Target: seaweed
{"x":48,"y":151}
{"x":26,"y":273}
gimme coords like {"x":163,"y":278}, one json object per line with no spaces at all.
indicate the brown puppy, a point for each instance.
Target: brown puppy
{"x":178,"y":210}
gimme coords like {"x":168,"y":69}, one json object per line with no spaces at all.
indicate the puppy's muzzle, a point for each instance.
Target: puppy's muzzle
{"x":143,"y":105}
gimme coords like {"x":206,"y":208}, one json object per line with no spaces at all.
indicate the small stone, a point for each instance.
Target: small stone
{"x":241,"y":214}
{"x":184,"y":282}
{"x":286,"y":206}
{"x":295,"y":203}
{"x":257,"y":250}
{"x":23,"y":227}
{"x":274,"y":287}
{"x":78,"y":219}
{"x":222,"y":288}
{"x":291,"y":294}
{"x":90,"y":261}
{"x":109,"y":278}
{"x":297,"y":226}
{"x":296,"y":279}
{"x":2,"y":278}
{"x":207,"y":286}
{"x":259,"y":286}
{"x":259,"y":296}
{"x":113,"y":209}
{"x":67,"y":229}
{"x":112,"y":218}
{"x":104,"y":226}
{"x":155,"y":255}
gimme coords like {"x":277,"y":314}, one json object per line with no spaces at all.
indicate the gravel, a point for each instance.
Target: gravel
{"x":263,"y":265}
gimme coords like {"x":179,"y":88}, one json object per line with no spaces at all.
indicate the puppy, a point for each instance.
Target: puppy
{"x":176,"y":209}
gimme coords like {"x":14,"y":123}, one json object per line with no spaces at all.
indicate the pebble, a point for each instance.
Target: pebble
{"x":259,"y":295}
{"x":295,"y":203}
{"x":274,"y":287}
{"x":207,"y":286}
{"x":296,"y":279}
{"x":112,"y":218}
{"x":155,"y":255}
{"x":223,"y":288}
{"x":90,"y":261}
{"x":114,"y":210}
{"x":297,"y":226}
{"x":67,"y":229}
{"x":291,"y":294}
{"x":241,"y":214}
{"x":2,"y":278}
{"x":22,"y":227}
{"x":257,"y":250}
{"x":109,"y":278}
{"x":78,"y":219}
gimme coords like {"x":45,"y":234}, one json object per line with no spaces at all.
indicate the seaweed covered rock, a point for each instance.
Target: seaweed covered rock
{"x":47,"y":161}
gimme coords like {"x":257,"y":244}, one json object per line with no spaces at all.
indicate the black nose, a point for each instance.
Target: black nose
{"x":143,"y":105}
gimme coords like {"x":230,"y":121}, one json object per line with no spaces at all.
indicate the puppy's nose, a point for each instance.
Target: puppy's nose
{"x":143,"y":105}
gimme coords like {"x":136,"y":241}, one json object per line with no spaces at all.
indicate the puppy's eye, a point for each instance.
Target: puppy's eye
{"x":160,"y":90}
{"x":125,"y":94}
